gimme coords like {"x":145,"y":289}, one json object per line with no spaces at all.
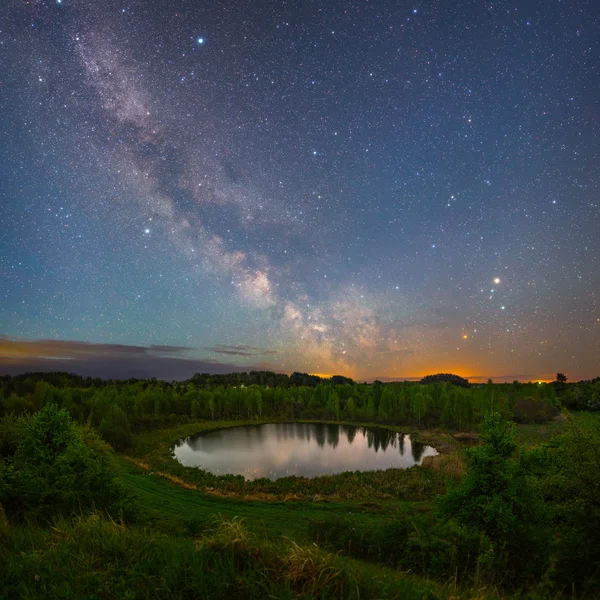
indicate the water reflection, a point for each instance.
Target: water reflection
{"x":305,"y":449}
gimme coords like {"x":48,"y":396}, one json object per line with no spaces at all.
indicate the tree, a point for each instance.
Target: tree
{"x":572,"y":484}
{"x":55,"y":467}
{"x":115,"y":429}
{"x":387,"y":403}
{"x":497,"y":500}
{"x":371,"y":410}
{"x":333,"y":405}
{"x":560,"y":385}
{"x":445,"y":378}
{"x":350,"y":408}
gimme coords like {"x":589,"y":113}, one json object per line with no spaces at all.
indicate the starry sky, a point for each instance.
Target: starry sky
{"x":369,"y":188}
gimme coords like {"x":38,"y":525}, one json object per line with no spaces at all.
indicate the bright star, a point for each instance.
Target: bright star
{"x":200,"y":40}
{"x":146,"y":231}
{"x":496,"y":280}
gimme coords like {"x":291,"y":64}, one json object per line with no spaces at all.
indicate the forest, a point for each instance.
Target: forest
{"x":116,"y":408}
{"x":92,"y":503}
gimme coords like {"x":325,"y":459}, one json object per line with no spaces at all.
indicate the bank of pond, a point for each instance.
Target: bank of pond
{"x":76,"y":517}
{"x":276,"y":450}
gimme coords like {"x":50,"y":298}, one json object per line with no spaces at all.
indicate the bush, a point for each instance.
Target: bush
{"x":498,"y":501}
{"x":413,"y":542}
{"x":114,"y":428}
{"x":533,"y":410}
{"x":51,"y":466}
{"x":572,"y":486}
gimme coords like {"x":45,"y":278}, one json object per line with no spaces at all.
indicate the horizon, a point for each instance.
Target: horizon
{"x":373,"y":190}
{"x":98,"y":360}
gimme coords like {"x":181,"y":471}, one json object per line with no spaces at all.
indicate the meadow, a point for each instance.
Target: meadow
{"x":80,"y":520}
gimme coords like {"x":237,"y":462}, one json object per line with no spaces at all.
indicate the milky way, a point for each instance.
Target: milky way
{"x":376,"y":189}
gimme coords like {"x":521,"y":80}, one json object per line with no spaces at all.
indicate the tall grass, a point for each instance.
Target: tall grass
{"x":414,"y":542}
{"x":95,"y":557}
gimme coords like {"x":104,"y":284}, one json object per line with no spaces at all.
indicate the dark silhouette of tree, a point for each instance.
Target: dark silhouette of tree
{"x":560,"y":385}
{"x":445,"y":378}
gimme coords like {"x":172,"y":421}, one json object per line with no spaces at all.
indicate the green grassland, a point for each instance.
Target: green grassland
{"x":152,"y":451}
{"x":192,"y":534}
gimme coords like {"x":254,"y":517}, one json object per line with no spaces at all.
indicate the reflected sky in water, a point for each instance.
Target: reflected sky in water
{"x":306,"y":449}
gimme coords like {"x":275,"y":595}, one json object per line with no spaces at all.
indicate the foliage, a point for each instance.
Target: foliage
{"x":114,"y":427}
{"x":445,"y":378}
{"x":51,"y":466}
{"x":533,"y":410}
{"x":560,"y":384}
{"x":572,"y":487}
{"x":94,"y":557}
{"x":498,"y":500}
{"x":132,"y":405}
{"x":411,"y":541}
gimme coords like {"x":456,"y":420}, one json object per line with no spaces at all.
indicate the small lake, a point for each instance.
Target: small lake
{"x":305,"y":449}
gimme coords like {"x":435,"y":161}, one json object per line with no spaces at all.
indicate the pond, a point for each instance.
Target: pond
{"x":305,"y":449}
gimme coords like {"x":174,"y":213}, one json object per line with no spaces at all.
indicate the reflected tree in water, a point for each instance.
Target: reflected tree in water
{"x":320,"y":434}
{"x":333,"y":435}
{"x":386,"y":438}
{"x":301,"y":431}
{"x":281,"y":449}
{"x":417,"y":451}
{"x":351,"y":433}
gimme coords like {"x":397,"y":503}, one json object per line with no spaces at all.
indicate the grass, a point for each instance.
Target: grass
{"x":175,"y":509}
{"x":534,"y":434}
{"x":182,"y":500}
{"x":199,"y":535}
{"x":92,"y":557}
{"x":152,"y":451}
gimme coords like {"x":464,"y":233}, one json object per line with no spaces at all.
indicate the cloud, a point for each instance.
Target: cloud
{"x":240,"y":350}
{"x":116,"y":361}
{"x":230,"y":350}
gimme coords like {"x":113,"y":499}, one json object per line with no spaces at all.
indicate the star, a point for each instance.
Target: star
{"x":287,"y":155}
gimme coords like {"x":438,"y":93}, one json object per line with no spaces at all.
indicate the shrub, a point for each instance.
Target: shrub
{"x":51,"y":466}
{"x":497,"y":500}
{"x":114,"y":428}
{"x":413,"y":542}
{"x":573,"y":489}
{"x":533,"y":410}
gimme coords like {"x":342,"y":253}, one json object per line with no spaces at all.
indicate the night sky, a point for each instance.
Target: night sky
{"x":376,"y":189}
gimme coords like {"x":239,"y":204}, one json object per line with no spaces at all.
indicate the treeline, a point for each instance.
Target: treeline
{"x":268,"y":378}
{"x":118,"y":407}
